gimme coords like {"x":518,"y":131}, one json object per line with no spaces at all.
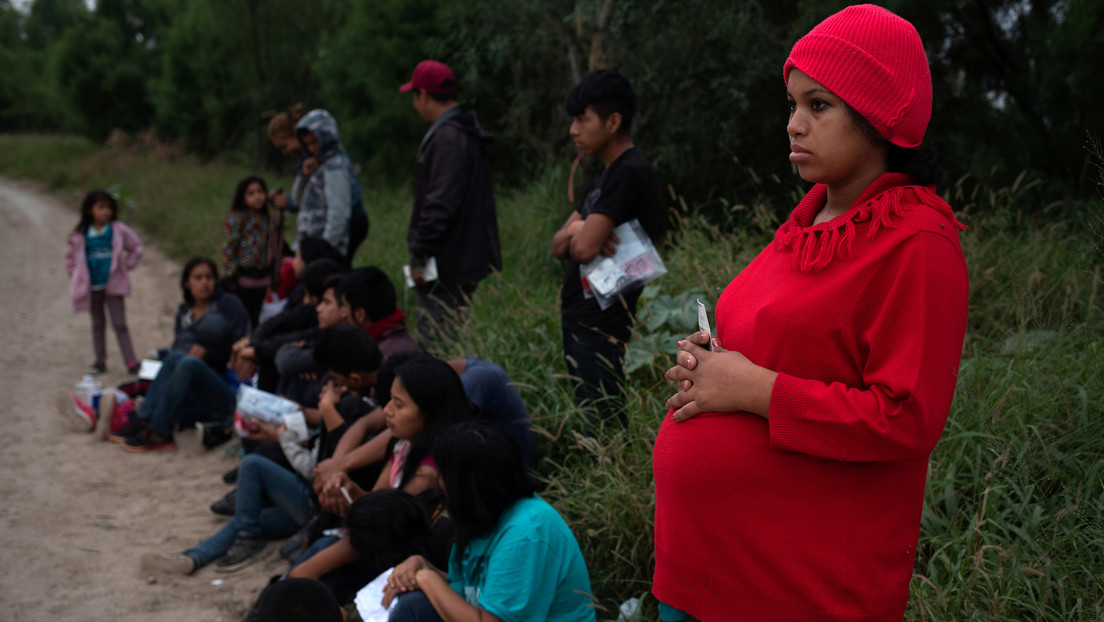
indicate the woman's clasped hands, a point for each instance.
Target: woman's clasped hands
{"x":403,"y":578}
{"x":720,"y":381}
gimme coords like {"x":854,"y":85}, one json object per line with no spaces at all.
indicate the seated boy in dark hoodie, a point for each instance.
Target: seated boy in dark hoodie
{"x":369,"y":297}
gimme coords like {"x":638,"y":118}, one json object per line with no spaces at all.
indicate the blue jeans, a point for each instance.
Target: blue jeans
{"x":597,"y":369}
{"x":259,"y":477}
{"x":413,"y":607}
{"x":185,"y":391}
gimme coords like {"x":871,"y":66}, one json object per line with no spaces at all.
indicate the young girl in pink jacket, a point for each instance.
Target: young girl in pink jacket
{"x":101,"y":252}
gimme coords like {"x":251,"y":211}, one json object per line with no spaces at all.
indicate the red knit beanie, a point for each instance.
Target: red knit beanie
{"x":873,"y":60}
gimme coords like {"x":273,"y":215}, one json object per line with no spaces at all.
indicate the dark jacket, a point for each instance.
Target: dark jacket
{"x":454,"y":216}
{"x":224,"y":322}
{"x":298,"y":322}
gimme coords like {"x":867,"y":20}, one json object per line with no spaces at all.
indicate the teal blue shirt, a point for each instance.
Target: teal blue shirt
{"x":529,"y":568}
{"x":97,"y":252}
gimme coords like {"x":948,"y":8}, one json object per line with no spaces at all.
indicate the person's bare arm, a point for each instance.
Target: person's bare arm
{"x":327,"y":560}
{"x":561,"y":240}
{"x":350,"y":454}
{"x":368,"y":453}
{"x":353,"y":437}
{"x":327,"y":406}
{"x":425,"y":478}
{"x":595,"y":238}
{"x":583,"y":239}
{"x":452,"y":607}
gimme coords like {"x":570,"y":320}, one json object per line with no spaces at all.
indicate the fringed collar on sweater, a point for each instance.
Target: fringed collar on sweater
{"x":888,"y":198}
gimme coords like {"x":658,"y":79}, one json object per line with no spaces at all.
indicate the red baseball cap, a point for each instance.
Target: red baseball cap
{"x":431,"y":76}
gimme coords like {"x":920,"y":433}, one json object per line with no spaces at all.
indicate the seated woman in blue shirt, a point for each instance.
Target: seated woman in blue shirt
{"x":514,"y":558}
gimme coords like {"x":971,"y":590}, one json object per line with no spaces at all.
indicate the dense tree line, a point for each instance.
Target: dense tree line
{"x":1017,"y":82}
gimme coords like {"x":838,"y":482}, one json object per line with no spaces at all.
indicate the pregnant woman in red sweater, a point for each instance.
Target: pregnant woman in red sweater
{"x":790,"y":469}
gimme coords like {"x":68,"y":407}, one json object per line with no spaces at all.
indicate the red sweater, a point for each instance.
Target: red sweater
{"x":814,"y":513}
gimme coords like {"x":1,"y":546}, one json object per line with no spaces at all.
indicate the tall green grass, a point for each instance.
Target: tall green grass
{"x":1012,"y":526}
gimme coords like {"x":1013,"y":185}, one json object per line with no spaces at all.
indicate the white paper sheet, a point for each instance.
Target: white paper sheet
{"x":429,"y":272}
{"x":149,"y":369}
{"x":368,"y":599}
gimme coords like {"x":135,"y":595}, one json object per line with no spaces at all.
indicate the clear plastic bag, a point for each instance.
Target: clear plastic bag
{"x":635,"y":263}
{"x":268,"y":408}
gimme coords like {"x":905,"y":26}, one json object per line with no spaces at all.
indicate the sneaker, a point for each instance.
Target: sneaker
{"x":231,"y":476}
{"x":133,"y":428}
{"x":243,"y":552}
{"x":98,"y":367}
{"x":294,"y":547}
{"x":167,"y":563}
{"x":213,"y":434}
{"x":133,"y":367}
{"x":148,"y":440}
{"x":224,"y":507}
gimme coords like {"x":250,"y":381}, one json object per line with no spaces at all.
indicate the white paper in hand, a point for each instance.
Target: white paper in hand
{"x":369,"y":597}
{"x":149,"y":369}
{"x":429,"y":272}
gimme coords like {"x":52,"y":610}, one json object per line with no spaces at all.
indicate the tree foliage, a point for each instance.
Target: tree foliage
{"x":1017,"y":83}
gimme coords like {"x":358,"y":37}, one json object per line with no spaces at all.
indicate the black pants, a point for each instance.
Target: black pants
{"x":358,"y":231}
{"x":596,"y":365}
{"x":441,"y":309}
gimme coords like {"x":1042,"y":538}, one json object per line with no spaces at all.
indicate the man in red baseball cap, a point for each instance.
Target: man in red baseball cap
{"x":454,"y":223}
{"x":432,"y":76}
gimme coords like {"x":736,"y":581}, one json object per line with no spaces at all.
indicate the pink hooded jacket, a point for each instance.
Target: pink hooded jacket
{"x":123,"y":239}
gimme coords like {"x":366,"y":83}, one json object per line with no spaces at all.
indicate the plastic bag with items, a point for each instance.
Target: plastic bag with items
{"x":256,"y":405}
{"x":635,"y":263}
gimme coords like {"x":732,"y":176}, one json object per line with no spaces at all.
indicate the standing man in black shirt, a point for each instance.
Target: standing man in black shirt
{"x":602,"y":107}
{"x":454,"y":221}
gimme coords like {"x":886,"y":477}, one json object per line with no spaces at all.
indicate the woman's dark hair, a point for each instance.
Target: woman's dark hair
{"x":238,"y":204}
{"x":192,"y":264}
{"x":86,"y":208}
{"x":436,"y":390}
{"x":314,"y":248}
{"x":921,"y":163}
{"x":606,"y":91}
{"x":386,"y":373}
{"x":387,"y":526}
{"x":484,"y":474}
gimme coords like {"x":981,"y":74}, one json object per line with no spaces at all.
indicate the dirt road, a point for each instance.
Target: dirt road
{"x":77,"y":512}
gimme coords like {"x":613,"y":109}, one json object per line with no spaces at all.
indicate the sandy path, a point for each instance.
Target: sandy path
{"x":76,"y":512}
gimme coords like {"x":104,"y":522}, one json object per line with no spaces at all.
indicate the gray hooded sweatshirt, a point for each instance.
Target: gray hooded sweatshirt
{"x":325,"y":198}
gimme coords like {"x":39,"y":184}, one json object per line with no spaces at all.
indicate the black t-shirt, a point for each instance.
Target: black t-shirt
{"x":628,"y":188}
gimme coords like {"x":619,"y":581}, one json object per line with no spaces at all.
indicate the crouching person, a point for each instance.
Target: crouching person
{"x":514,"y":558}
